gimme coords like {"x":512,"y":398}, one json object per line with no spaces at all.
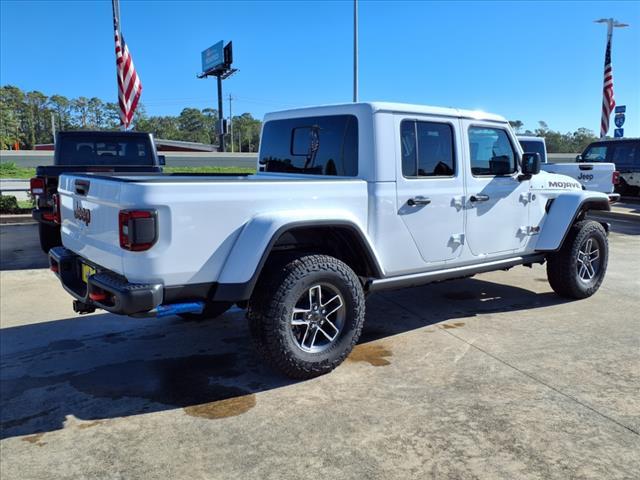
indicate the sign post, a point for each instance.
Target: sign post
{"x":216,"y":62}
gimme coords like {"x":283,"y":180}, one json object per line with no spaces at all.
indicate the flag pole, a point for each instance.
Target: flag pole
{"x":355,"y":50}
{"x":116,"y":27}
{"x":608,"y":82}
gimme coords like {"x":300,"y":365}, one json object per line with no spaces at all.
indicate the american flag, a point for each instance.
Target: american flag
{"x":129,"y":85}
{"x":608,"y":102}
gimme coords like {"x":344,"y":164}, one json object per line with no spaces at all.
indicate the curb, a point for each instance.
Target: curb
{"x":20,"y":219}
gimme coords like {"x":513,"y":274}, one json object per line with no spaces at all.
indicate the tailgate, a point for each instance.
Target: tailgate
{"x":593,"y":176}
{"x":89,"y":212}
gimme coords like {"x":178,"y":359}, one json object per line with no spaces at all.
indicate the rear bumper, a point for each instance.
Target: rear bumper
{"x":104,"y":289}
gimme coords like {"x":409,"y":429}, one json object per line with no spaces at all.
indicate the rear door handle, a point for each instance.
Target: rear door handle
{"x":419,"y":200}
{"x":478,"y":198}
{"x":586,"y":167}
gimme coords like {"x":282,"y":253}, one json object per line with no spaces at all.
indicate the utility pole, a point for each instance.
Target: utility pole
{"x":231,"y":121}
{"x":608,"y":78}
{"x":355,"y":50}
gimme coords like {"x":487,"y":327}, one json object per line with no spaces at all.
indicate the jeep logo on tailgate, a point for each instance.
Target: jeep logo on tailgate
{"x":82,"y":214}
{"x":586,"y":177}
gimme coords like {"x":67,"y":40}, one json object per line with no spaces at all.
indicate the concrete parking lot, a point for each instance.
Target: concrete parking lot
{"x":489,"y":377}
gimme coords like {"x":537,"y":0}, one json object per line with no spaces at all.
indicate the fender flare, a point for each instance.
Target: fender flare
{"x":241,"y":270}
{"x":562,"y":214}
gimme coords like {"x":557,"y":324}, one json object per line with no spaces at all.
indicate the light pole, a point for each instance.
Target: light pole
{"x":607,"y":88}
{"x":355,"y":50}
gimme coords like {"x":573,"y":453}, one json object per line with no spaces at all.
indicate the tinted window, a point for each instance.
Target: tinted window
{"x":531,"y":146}
{"x":625,"y":153}
{"x":432,"y":154}
{"x":313,"y":145}
{"x":596,"y":153}
{"x":116,"y":150}
{"x":491,"y":152}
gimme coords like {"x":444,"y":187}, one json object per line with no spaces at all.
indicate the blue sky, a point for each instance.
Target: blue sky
{"x":525,"y":60}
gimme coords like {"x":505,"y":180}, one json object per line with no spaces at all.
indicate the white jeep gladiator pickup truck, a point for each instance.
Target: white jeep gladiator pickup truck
{"x":348,"y":200}
{"x":601,"y":177}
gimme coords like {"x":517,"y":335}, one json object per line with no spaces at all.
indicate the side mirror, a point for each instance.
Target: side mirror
{"x":531,"y":163}
{"x":162,"y":160}
{"x":578,"y":158}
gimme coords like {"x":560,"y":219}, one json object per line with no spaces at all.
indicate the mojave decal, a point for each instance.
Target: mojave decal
{"x":573,"y":185}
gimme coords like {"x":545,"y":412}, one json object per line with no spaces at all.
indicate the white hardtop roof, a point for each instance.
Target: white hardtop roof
{"x":530,"y":138}
{"x":388,"y":107}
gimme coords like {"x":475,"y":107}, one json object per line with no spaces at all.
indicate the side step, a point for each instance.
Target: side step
{"x":416,"y":279}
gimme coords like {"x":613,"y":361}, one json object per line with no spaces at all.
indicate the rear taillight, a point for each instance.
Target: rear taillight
{"x":37,"y":186}
{"x":615,"y":177}
{"x":56,"y":208}
{"x":138,"y":229}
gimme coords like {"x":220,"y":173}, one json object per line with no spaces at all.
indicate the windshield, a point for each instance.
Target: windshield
{"x":312,"y":145}
{"x":112,"y":150}
{"x":530,"y":146}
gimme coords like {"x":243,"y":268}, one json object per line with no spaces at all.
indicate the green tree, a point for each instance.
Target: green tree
{"x":516,"y":125}
{"x":96,"y":114}
{"x":61,"y":107}
{"x":80,"y":108}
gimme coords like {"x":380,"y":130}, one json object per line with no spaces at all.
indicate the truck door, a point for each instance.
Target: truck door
{"x":430,"y":185}
{"x":497,"y":202}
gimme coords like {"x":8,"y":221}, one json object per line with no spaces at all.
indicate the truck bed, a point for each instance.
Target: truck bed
{"x":199,"y":217}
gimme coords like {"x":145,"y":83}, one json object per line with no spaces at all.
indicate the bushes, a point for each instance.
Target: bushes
{"x":9,"y":204}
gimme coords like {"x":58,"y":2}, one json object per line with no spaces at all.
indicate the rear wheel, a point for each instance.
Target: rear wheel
{"x":211,"y":310}
{"x":578,"y":268}
{"x":306,"y":316}
{"x":49,"y":236}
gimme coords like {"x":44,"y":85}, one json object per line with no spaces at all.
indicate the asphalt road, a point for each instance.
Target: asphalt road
{"x":490,"y":377}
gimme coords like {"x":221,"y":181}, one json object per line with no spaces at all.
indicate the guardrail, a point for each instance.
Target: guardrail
{"x":2,"y":190}
{"x":36,"y":158}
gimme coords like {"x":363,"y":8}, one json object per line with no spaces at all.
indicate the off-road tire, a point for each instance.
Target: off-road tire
{"x":271,"y":307}
{"x":49,"y":236}
{"x":211,"y":310}
{"x":562,"y":266}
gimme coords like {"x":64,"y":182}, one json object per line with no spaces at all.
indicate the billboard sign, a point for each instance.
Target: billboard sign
{"x":213,"y":57}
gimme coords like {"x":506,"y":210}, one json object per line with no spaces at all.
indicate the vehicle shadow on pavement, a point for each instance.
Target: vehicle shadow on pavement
{"x":104,"y":366}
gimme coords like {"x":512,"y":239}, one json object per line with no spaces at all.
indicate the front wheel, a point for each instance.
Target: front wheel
{"x":578,"y":268}
{"x":306,"y":316}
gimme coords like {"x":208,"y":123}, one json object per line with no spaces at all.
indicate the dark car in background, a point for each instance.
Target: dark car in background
{"x":84,"y":152}
{"x":625,"y":154}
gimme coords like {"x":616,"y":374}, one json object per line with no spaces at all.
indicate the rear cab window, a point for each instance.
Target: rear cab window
{"x":113,"y":151}
{"x":627,"y":153}
{"x":323,"y":145}
{"x":491,"y":152}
